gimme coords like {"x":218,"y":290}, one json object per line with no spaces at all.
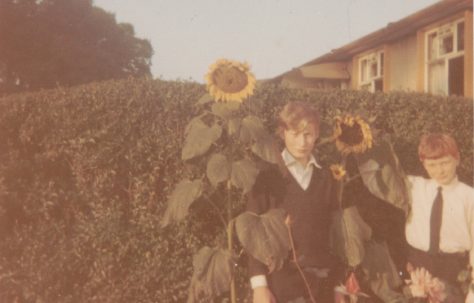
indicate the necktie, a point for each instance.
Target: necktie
{"x":435,"y":221}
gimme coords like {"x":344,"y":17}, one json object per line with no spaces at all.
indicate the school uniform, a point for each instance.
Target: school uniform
{"x":439,"y":228}
{"x":454,"y":249}
{"x":308,"y":195}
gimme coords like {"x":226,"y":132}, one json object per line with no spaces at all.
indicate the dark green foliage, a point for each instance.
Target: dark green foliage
{"x":51,"y":43}
{"x":212,"y":273}
{"x":265,"y":236}
{"x":86,"y":173}
{"x":349,"y":236}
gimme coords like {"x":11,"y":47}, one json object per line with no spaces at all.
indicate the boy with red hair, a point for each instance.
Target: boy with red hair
{"x":440,"y":225}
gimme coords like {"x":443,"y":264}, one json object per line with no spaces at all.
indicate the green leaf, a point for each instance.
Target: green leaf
{"x":199,"y":139}
{"x":196,"y":120}
{"x":349,"y":234}
{"x":225,"y":110}
{"x":383,"y":175}
{"x":206,"y":98}
{"x":234,"y":126}
{"x":265,"y":237}
{"x":266,"y":149}
{"x":184,"y":194}
{"x":244,"y":173}
{"x":213,"y":271}
{"x":252,"y":129}
{"x":218,"y":169}
{"x":382,"y":273}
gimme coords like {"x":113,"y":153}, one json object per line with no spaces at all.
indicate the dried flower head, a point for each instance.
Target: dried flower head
{"x":229,"y":80}
{"x":352,"y":134}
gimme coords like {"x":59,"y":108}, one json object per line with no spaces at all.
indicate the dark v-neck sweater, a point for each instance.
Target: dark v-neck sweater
{"x":310,"y":212}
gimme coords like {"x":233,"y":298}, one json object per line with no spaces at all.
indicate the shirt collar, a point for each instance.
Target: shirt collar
{"x":447,"y":186}
{"x":289,"y":160}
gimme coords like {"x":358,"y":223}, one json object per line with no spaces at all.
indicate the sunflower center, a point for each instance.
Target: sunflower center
{"x":230,"y":79}
{"x":351,"y":135}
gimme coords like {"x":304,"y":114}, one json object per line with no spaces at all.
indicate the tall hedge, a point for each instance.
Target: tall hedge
{"x":85,"y":174}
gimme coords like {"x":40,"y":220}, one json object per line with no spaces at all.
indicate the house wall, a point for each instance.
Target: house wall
{"x":468,"y":49}
{"x":404,"y":60}
{"x":402,"y":71}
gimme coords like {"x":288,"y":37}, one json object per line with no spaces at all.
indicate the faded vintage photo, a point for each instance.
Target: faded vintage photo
{"x":268,"y":151}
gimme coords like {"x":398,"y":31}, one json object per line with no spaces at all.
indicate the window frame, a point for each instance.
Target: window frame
{"x":441,"y":58}
{"x":366,"y":80}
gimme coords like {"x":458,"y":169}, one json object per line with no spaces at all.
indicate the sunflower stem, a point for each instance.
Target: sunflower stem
{"x":230,"y":244}
{"x":352,"y":179}
{"x":341,"y":184}
{"x":221,"y":217}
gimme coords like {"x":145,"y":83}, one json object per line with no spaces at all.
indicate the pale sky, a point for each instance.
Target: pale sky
{"x":273,"y":36}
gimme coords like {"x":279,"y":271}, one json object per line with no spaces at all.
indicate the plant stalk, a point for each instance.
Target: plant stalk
{"x":230,"y":244}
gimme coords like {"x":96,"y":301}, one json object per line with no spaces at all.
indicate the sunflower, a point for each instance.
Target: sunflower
{"x":352,"y":135}
{"x":229,"y":80}
{"x":338,"y":171}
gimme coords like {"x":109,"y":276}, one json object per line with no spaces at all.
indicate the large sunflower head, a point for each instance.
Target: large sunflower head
{"x":338,"y":171}
{"x":229,"y":80}
{"x":352,"y":134}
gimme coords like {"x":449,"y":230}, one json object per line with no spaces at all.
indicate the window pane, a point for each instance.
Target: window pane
{"x":378,"y":85}
{"x":373,"y":69}
{"x":437,"y":82}
{"x":381,"y":64}
{"x":446,"y":44}
{"x":456,"y":76}
{"x":432,"y":54}
{"x":363,"y":71}
{"x":460,"y":35}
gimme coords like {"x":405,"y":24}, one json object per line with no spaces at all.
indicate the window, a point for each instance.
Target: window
{"x":371,"y":72}
{"x":445,"y":59}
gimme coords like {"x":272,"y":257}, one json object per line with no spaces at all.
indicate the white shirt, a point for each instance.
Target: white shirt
{"x":457,"y":223}
{"x":457,"y":226}
{"x":302,"y":175}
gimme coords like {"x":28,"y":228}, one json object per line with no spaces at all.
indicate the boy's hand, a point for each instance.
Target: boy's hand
{"x":263,"y":295}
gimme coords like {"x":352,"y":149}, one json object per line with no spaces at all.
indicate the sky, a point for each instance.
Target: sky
{"x":273,"y":36}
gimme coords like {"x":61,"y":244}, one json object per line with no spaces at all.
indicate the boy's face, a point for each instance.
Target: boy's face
{"x":442,"y":170}
{"x":300,"y":143}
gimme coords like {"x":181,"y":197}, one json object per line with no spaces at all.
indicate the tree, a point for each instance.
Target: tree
{"x":49,"y":43}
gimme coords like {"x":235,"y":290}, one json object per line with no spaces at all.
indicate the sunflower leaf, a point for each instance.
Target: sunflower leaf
{"x":233,"y":126}
{"x":199,"y":139}
{"x":252,"y":129}
{"x":218,"y":169}
{"x":244,"y":173}
{"x":382,"y":273}
{"x":383,"y":175}
{"x":266,"y":149}
{"x":225,"y":110}
{"x":184,"y":194}
{"x":264,"y":237}
{"x":213,"y":270}
{"x":349,"y":233}
{"x":206,"y":98}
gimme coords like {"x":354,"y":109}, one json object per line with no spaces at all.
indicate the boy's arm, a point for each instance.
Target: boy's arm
{"x":383,"y":175}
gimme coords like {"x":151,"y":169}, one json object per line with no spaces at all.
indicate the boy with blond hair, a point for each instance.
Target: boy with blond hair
{"x":305,"y":190}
